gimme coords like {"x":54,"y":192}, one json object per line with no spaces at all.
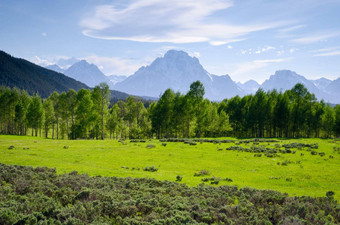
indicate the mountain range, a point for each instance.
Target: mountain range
{"x":87,"y":73}
{"x":175,"y":70}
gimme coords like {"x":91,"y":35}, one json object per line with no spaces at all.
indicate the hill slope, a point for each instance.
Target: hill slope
{"x":15,"y":72}
{"x":20,"y":73}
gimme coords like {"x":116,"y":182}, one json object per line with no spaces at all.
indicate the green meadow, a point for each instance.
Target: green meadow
{"x":297,"y":174}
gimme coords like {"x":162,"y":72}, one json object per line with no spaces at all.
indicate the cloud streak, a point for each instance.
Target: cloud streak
{"x":174,"y":21}
{"x":315,"y":38}
{"x":252,"y":66}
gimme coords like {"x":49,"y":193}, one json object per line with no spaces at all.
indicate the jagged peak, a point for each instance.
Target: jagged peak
{"x":176,"y":53}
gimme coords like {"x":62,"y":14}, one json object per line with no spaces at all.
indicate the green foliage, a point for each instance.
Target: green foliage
{"x":312,"y":174}
{"x":86,"y":114}
{"x":40,"y":196}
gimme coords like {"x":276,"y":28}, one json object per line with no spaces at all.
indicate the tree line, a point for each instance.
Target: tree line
{"x":88,"y":114}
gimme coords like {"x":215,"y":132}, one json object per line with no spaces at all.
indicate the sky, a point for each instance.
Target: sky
{"x":247,"y":39}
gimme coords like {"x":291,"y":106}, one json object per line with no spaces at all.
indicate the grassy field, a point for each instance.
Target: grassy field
{"x":302,"y":174}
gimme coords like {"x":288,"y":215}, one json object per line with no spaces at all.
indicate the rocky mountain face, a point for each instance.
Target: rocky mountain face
{"x":283,"y":80}
{"x":322,"y":83}
{"x":87,"y":73}
{"x":250,"y":86}
{"x":116,"y":78}
{"x":177,"y":70}
{"x":334,"y":89}
{"x":55,"y":68}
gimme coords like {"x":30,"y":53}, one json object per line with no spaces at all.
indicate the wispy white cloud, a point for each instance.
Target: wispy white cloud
{"x":114,"y":65}
{"x":246,"y":67}
{"x":280,"y":52}
{"x":40,"y":61}
{"x":44,"y":34}
{"x":292,"y":50}
{"x":288,"y":32}
{"x":315,"y":38}
{"x":325,"y":49}
{"x":332,"y":53}
{"x":257,"y":51}
{"x":175,"y":21}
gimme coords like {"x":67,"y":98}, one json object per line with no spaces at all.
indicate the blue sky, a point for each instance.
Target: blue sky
{"x":247,"y":39}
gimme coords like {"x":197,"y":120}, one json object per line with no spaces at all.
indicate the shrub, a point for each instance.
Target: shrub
{"x":150,"y":146}
{"x":79,"y":199}
{"x":228,"y":179}
{"x":313,"y":153}
{"x":330,"y":194}
{"x":202,"y":173}
{"x":150,"y":169}
{"x":65,"y":147}
{"x":163,"y":144}
{"x":322,"y":154}
{"x":11,"y":147}
{"x":214,"y":182}
{"x":179,"y":178}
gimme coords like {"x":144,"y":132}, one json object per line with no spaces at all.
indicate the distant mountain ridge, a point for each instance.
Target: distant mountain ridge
{"x":177,"y":70}
{"x":250,"y":86}
{"x":284,"y":80}
{"x":87,"y":73}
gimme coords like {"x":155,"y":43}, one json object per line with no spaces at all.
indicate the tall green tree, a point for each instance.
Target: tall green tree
{"x":103,"y":92}
{"x":83,"y":114}
{"x":328,"y":121}
{"x":49,"y":115}
{"x":21,"y":111}
{"x":35,"y":114}
{"x":196,"y":94}
{"x":337,"y":121}
{"x":54,"y":97}
{"x":71,"y":105}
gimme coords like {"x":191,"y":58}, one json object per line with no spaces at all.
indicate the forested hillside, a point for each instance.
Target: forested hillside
{"x":22,"y":74}
{"x":34,"y":79}
{"x":87,"y":114}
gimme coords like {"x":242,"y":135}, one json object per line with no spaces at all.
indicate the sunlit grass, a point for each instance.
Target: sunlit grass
{"x":313,"y":175}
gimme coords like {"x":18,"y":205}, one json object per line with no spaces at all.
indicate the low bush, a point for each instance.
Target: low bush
{"x":39,"y":196}
{"x":150,"y":169}
{"x":150,"y":146}
{"x":202,"y":173}
{"x":179,"y":178}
